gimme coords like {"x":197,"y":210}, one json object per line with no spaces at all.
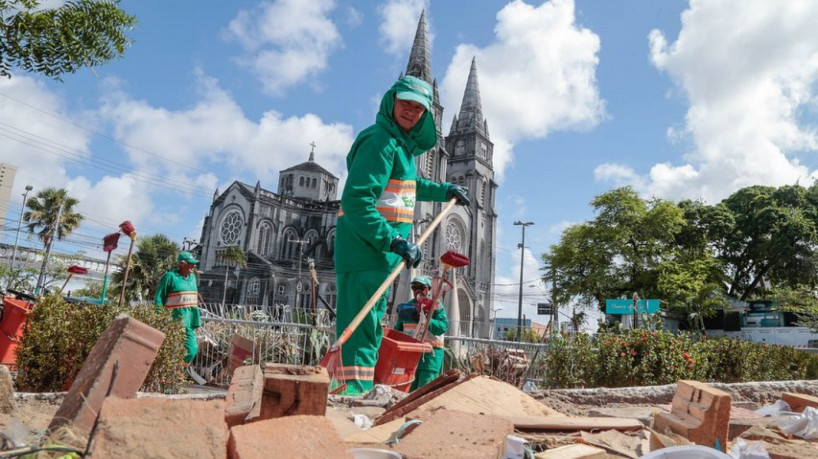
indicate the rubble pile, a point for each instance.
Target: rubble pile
{"x":280,"y":410}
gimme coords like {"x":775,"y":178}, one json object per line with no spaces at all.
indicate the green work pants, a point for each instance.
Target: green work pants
{"x":428,"y":368}
{"x":191,"y":346}
{"x":360,"y":353}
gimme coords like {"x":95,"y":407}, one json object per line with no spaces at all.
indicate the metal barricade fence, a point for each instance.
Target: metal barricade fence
{"x":505,"y":360}
{"x":259,"y":335}
{"x":236,"y":335}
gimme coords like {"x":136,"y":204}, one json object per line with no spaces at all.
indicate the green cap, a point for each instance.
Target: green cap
{"x":424,"y":280}
{"x":187,"y":257}
{"x":414,"y":89}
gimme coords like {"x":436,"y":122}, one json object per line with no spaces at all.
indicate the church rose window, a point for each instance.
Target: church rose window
{"x":453,"y":237}
{"x":231,"y":228}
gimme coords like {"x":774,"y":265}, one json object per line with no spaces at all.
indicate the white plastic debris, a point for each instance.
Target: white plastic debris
{"x":748,"y":450}
{"x":362,"y":421}
{"x":775,"y":409}
{"x":803,"y":425}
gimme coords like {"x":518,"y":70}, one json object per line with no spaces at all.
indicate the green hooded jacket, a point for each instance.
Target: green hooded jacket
{"x":382,"y":186}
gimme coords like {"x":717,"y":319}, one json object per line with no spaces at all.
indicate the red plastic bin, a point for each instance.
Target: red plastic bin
{"x":398,"y":359}
{"x":11,"y":328}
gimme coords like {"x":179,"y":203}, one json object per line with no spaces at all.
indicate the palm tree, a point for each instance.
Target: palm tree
{"x":233,"y":256}
{"x":51,"y":214}
{"x":154,"y":256}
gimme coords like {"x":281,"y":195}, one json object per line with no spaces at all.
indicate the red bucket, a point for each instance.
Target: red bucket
{"x":11,"y":329}
{"x":398,"y":359}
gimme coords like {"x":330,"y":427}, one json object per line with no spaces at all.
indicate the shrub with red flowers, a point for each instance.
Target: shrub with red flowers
{"x":643,"y":357}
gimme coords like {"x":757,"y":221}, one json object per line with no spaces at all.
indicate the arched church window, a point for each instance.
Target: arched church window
{"x":265,"y":236}
{"x":301,"y":181}
{"x":453,"y":236}
{"x":231,"y":226}
{"x":460,"y":148}
{"x":289,"y":245}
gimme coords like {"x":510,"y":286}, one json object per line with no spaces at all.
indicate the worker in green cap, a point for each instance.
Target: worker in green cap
{"x":179,"y":292}
{"x":377,"y":209}
{"x":408,"y":319}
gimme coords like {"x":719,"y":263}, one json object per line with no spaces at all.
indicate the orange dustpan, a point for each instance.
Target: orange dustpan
{"x":332,"y":360}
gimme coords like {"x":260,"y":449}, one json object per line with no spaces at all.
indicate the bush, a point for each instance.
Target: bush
{"x":642,"y":357}
{"x":59,"y":337}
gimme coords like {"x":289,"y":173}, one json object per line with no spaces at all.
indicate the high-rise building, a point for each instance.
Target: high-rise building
{"x":7,"y":172}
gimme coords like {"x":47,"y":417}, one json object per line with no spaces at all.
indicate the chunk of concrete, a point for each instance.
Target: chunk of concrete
{"x":161,"y":427}
{"x":129,"y":342}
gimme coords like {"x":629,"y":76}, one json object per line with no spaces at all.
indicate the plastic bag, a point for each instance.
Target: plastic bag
{"x":775,"y":409}
{"x":803,"y":425}
{"x":529,"y":386}
{"x":748,"y":450}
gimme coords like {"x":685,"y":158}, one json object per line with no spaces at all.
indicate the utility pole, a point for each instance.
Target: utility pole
{"x":19,"y":226}
{"x":300,"y":243}
{"x":522,"y":259}
{"x":554,"y":308}
{"x":635,"y":310}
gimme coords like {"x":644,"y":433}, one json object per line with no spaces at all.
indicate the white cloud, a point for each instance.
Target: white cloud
{"x":748,"y":71}
{"x":399,"y":24}
{"x":216,"y":132}
{"x":539,"y":75}
{"x":354,"y":18}
{"x":286,"y":41}
{"x":167,"y":152}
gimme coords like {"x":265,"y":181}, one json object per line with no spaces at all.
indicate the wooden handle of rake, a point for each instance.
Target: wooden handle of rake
{"x":394,"y":275}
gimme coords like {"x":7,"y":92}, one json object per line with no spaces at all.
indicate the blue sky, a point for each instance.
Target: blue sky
{"x":679,"y":99}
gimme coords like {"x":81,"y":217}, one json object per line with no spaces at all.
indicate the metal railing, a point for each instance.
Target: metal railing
{"x":505,"y":360}
{"x":233,"y":335}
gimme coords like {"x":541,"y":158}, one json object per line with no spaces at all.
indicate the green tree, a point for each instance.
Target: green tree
{"x":528,"y":335}
{"x":56,"y":41}
{"x":19,"y":279}
{"x":774,"y":238}
{"x":51,"y":214}
{"x":154,"y":256}
{"x":617,"y":253}
{"x":232,"y":256}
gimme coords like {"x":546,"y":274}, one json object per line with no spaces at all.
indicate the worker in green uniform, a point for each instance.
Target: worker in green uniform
{"x":408,"y":318}
{"x":377,"y":209}
{"x":179,"y":292}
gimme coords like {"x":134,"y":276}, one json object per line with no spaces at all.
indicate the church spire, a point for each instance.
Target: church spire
{"x":312,"y":152}
{"x":420,"y":63}
{"x":471,"y":110}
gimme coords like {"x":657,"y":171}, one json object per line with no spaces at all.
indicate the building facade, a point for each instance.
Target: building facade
{"x":285,"y":232}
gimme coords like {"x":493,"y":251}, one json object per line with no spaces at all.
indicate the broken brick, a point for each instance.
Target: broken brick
{"x":293,"y":389}
{"x":699,"y":413}
{"x":798,"y":402}
{"x":292,"y":436}
{"x":161,"y":427}
{"x":129,"y":342}
{"x":243,"y":401}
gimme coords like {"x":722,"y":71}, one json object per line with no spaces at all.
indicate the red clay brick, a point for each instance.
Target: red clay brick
{"x":128,"y":341}
{"x":292,"y":436}
{"x":292,"y":389}
{"x":798,"y":402}
{"x":161,"y":427}
{"x":446,"y":434}
{"x":244,"y":395}
{"x":699,"y":413}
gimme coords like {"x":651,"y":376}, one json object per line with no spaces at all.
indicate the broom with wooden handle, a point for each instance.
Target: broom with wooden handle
{"x":332,"y":360}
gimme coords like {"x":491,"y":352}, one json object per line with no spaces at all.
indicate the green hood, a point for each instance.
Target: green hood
{"x":424,"y":135}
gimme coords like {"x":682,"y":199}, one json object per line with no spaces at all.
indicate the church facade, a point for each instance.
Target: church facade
{"x":283,"y":232}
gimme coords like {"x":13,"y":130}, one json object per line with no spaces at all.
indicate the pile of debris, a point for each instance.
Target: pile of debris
{"x":285,"y":411}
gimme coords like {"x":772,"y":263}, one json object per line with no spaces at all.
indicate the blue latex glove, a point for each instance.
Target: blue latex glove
{"x":409,"y":251}
{"x":459,"y":192}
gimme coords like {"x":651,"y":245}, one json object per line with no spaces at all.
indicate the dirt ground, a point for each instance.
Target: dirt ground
{"x":33,"y":412}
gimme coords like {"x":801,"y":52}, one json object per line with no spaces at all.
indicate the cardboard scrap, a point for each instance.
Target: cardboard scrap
{"x":633,"y":446}
{"x":578,"y":451}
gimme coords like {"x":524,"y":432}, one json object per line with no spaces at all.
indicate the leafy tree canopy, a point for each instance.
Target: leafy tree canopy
{"x":61,"y":40}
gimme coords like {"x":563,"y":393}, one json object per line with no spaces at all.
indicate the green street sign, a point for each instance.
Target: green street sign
{"x":625,"y":306}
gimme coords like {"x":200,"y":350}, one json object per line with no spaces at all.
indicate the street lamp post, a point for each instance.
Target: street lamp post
{"x":522,"y":259}
{"x":19,"y":226}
